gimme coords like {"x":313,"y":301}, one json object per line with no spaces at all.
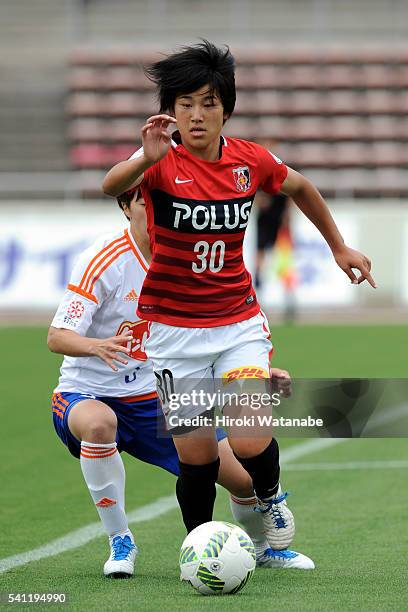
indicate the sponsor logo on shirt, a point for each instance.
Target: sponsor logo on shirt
{"x":131,"y":296}
{"x":179,"y":181}
{"x":204,"y":217}
{"x":140,"y":333}
{"x":243,"y":372}
{"x":242,"y":178}
{"x":227,"y":216}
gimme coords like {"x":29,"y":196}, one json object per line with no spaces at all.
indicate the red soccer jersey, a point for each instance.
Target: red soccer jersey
{"x":197,"y":214}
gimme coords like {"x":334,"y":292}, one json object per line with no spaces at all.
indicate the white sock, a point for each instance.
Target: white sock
{"x":242,"y":509}
{"x":104,"y":474}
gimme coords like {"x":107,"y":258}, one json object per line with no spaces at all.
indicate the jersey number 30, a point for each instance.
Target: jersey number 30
{"x":214,"y":262}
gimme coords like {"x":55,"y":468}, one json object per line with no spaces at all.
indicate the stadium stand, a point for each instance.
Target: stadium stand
{"x":326,"y":110}
{"x":326,"y":80}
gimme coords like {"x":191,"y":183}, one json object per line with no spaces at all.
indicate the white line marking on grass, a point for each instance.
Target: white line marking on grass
{"x":393,"y":414}
{"x":347,"y":465}
{"x":82,"y":536}
{"x":308,"y":447}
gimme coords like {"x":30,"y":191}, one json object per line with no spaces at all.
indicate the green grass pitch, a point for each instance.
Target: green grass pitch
{"x":351,"y":522}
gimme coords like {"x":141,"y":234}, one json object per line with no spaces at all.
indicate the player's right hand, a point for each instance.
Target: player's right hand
{"x":156,"y":139}
{"x":108,"y":349}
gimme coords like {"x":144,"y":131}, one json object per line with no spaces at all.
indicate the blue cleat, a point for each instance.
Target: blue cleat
{"x":121,"y":563}
{"x":283,"y":559}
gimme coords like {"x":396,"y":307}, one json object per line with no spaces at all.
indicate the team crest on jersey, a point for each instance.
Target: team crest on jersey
{"x":75,"y":309}
{"x":242,"y":178}
{"x":140,"y":333}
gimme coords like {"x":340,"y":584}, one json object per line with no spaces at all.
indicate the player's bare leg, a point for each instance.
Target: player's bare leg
{"x":94,"y":424}
{"x":243,"y":502}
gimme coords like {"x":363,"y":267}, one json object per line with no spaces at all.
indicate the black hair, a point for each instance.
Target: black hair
{"x":190,"y":69}
{"x":125,"y":198}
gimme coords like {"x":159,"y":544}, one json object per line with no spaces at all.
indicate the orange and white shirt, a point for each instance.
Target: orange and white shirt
{"x":100,"y":302}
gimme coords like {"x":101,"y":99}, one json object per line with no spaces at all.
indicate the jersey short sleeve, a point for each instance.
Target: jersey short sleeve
{"x":81,"y":299}
{"x":272,"y":170}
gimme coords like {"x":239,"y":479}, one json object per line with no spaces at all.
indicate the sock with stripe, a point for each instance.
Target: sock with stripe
{"x":243,"y":511}
{"x":104,"y":474}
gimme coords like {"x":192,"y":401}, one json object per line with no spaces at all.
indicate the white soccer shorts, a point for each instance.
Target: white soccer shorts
{"x":207,"y":360}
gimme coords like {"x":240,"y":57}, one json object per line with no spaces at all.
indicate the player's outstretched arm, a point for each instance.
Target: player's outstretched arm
{"x":311,"y":203}
{"x":68,"y":342}
{"x":156,"y":141}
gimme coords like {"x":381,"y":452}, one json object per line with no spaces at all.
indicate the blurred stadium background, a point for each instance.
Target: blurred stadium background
{"x":325,"y":80}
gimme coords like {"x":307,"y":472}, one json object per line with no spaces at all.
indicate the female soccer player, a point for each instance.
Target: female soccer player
{"x":206,"y":322}
{"x":106,"y":401}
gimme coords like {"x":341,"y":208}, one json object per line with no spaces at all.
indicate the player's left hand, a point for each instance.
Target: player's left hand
{"x":281,"y":382}
{"x":347,"y":259}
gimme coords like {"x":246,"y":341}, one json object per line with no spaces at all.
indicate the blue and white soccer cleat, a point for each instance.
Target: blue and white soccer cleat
{"x":283,"y":559}
{"x":278,"y":520}
{"x":121,"y":563}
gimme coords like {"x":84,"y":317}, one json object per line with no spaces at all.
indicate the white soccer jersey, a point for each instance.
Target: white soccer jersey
{"x":100,"y":302}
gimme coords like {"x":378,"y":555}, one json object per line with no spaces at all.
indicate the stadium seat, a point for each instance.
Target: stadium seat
{"x":304,"y":103}
{"x":122,"y":104}
{"x":347,"y":128}
{"x":351,"y":154}
{"x":126,"y":78}
{"x":305,"y":128}
{"x":85,"y":105}
{"x":242,"y":127}
{"x":90,"y":156}
{"x":390,"y":154}
{"x":117,"y":153}
{"x":86,"y":78}
{"x":87,"y":130}
{"x":383,"y":127}
{"x":123,"y":130}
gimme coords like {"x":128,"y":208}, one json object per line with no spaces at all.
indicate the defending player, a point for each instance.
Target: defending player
{"x":106,"y":401}
{"x":199,"y":188}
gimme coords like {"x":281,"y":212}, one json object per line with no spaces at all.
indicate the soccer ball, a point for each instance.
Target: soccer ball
{"x":217,"y":558}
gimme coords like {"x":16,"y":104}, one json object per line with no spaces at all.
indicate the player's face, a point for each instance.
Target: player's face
{"x":200,"y":117}
{"x":137,"y":213}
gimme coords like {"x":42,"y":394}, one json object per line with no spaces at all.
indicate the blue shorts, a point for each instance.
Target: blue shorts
{"x":141,"y":429}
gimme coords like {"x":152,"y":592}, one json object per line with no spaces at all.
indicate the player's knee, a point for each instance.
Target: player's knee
{"x":93,"y":422}
{"x":246,"y":448}
{"x":102,"y":431}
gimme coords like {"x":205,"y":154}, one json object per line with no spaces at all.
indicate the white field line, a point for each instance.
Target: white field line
{"x":82,"y":536}
{"x":347,"y":465}
{"x":162,"y":505}
{"x":307,"y":448}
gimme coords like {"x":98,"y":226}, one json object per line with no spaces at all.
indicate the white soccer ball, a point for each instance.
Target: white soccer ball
{"x":217,"y":558}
